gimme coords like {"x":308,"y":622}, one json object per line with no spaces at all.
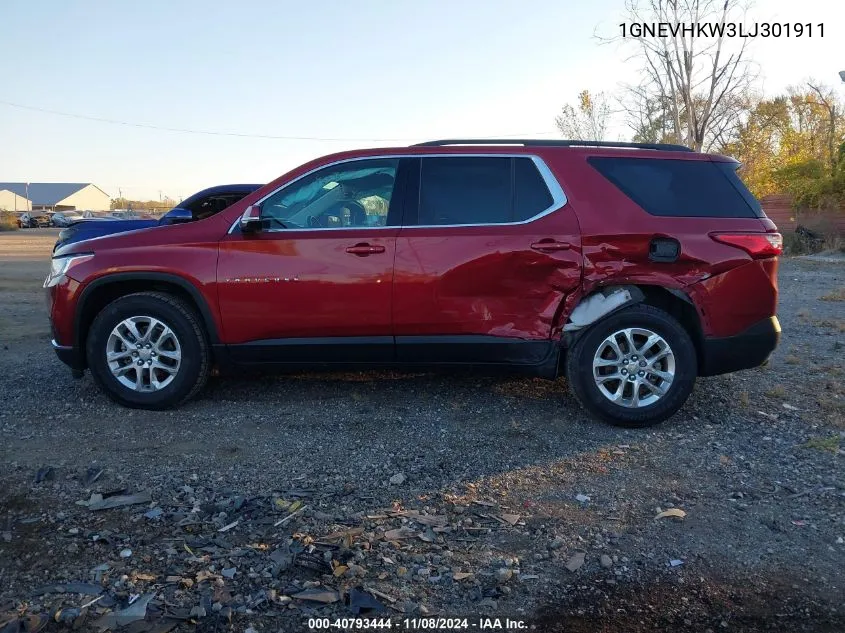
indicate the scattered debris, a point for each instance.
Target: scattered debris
{"x":576,"y":561}
{"x":325,"y":596}
{"x":400,"y":533}
{"x":125,"y":553}
{"x":84,"y":588}
{"x":676,"y":562}
{"x":153,"y":514}
{"x":290,"y":516}
{"x":671,"y":512}
{"x":99,"y":502}
{"x":503,"y":575}
{"x":45,"y":473}
{"x":228,"y":527}
{"x":510,"y":519}
{"x":582,"y":498}
{"x":397,"y":479}
{"x":92,"y":474}
{"x":361,"y":602}
{"x":135,"y":611}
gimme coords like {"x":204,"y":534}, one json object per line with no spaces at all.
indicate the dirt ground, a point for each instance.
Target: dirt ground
{"x":433,"y":495}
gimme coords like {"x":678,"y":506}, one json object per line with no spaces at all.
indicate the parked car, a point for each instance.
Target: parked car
{"x":196,"y":207}
{"x":34,"y":219}
{"x":633,"y":268}
{"x":65,"y":218}
{"x":94,"y":215}
{"x":131,"y":214}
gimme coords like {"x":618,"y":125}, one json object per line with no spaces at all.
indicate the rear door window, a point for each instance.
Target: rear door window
{"x":475,"y":190}
{"x":531,"y":194}
{"x":680,"y":188}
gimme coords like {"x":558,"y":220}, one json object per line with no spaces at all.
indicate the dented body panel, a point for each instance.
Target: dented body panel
{"x":615,"y":238}
{"x":485,"y":279}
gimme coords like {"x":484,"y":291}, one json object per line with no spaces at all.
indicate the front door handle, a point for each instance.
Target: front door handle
{"x":550,"y":245}
{"x":364,"y":249}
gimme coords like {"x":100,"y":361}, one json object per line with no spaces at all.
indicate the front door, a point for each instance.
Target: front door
{"x":315,"y":284}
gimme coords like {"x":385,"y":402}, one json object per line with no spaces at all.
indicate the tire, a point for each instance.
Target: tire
{"x":639,"y":322}
{"x":176,"y":381}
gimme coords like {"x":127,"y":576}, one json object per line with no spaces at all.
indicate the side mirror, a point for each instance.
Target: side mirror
{"x":177,"y":216}
{"x":251,"y":219}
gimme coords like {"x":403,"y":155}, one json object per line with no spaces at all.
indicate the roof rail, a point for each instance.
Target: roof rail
{"x":563,"y":143}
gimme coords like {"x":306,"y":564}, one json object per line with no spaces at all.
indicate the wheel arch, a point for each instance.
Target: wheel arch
{"x":614,"y":297}
{"x":102,"y":291}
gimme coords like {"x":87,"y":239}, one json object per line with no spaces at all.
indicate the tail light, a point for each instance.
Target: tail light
{"x":755,"y":244}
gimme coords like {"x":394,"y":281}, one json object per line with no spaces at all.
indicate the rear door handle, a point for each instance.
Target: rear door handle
{"x":362,"y":250}
{"x":550,"y":245}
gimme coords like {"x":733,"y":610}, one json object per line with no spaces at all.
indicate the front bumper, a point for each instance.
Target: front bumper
{"x":69,"y":355}
{"x":750,"y":348}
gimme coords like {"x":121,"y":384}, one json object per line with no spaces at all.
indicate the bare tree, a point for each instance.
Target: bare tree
{"x":587,"y":121}
{"x":699,"y":77}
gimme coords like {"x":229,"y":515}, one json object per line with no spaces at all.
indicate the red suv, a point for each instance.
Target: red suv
{"x":632,"y":267}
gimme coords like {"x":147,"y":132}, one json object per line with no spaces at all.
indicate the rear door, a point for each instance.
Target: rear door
{"x":487,"y":252}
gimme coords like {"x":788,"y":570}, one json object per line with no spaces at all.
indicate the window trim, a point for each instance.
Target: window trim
{"x":559,"y":198}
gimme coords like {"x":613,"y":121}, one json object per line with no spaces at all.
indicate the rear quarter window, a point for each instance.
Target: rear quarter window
{"x":680,"y":188}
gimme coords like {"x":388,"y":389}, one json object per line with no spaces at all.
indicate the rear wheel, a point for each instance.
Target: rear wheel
{"x":148,"y":350}
{"x":635,"y":368}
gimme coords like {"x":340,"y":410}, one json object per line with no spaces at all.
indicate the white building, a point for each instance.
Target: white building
{"x":10,"y":201}
{"x":60,"y":196}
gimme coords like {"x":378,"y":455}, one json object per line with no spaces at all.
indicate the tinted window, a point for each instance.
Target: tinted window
{"x":480,"y":190}
{"x":678,"y":187}
{"x":465,"y":190}
{"x":354,"y":194}
{"x":531,"y":195}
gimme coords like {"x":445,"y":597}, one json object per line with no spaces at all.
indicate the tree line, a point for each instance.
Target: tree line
{"x":149,"y":205}
{"x":703,"y":93}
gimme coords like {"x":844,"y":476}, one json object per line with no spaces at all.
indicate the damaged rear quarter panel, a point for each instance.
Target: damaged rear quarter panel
{"x":620,"y":256}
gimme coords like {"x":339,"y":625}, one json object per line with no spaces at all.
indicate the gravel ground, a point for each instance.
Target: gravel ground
{"x":430,"y":495}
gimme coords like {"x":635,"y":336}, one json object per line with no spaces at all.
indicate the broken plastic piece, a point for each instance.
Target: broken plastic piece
{"x":672,"y":512}
{"x":136,"y":611}
{"x":594,"y":307}
{"x":326,"y":596}
{"x":360,"y":602}
{"x":119,"y":500}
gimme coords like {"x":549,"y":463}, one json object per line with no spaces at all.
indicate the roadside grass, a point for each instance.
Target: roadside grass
{"x":836,"y":295}
{"x":8,"y":221}
{"x":830,"y":443}
{"x":778,"y":391}
{"x":836,"y":324}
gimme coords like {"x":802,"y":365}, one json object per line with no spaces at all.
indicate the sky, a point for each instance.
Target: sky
{"x":367,"y":72}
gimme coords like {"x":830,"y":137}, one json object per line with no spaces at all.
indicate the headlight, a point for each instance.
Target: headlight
{"x":60,"y":265}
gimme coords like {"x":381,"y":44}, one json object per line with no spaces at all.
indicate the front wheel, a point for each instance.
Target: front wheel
{"x":148,"y":351}
{"x":635,"y":368}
